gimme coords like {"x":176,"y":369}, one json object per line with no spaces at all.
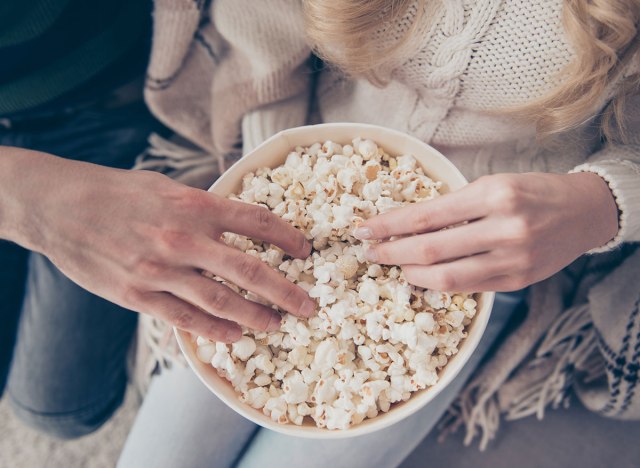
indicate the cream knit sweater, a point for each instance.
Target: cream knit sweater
{"x":237,"y":71}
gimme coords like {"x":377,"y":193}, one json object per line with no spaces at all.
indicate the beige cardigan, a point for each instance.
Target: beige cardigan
{"x":225,"y":76}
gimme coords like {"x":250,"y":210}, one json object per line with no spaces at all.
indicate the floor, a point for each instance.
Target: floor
{"x":21,"y":447}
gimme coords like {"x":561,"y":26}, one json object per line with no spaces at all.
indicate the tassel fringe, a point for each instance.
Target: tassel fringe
{"x":568,"y":348}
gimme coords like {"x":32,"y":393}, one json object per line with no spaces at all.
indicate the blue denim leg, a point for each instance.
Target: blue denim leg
{"x":182,"y":424}
{"x":68,"y":373}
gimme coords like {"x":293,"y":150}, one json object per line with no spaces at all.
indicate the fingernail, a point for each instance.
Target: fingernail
{"x":307,"y":309}
{"x":233,"y":334}
{"x":274,"y":323}
{"x":362,"y":233}
{"x":371,"y":255}
{"x":306,"y":246}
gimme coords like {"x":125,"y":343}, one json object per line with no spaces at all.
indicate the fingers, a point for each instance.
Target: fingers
{"x":256,"y":276}
{"x":435,"y":247}
{"x":459,"y":275}
{"x":463,"y":205}
{"x":221,"y":301}
{"x":260,"y":223}
{"x":506,"y":283}
{"x":188,"y":317}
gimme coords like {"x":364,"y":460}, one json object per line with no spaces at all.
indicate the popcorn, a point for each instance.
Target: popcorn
{"x":295,"y":390}
{"x":264,"y":364}
{"x":348,"y":265}
{"x":424,"y":322}
{"x":323,"y":273}
{"x":243,"y":348}
{"x":347,"y":177}
{"x":298,"y":356}
{"x":406,"y":162}
{"x":367,"y":148}
{"x":369,"y":292}
{"x":454,"y":318}
{"x":325,"y":391}
{"x":376,"y":339}
{"x":276,"y":408}
{"x":256,"y":397}
{"x":326,"y":354}
{"x":469,"y":305}
{"x":338,"y":418}
{"x":374,"y":271}
{"x":326,"y":294}
{"x":262,"y":380}
{"x":372,"y":191}
{"x":341,"y":216}
{"x":437,"y":299}
{"x":205,"y":352}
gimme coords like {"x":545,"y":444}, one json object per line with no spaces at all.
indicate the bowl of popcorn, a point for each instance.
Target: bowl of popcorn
{"x":379,"y":349}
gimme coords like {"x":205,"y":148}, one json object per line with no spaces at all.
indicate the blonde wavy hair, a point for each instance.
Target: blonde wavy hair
{"x":604,"y":35}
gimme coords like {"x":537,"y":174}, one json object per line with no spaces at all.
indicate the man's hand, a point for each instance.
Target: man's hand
{"x":141,"y":240}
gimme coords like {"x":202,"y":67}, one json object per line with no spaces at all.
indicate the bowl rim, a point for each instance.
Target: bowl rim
{"x":404,"y":409}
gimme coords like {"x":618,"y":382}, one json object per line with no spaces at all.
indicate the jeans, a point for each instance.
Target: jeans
{"x":63,"y":348}
{"x":182,"y":424}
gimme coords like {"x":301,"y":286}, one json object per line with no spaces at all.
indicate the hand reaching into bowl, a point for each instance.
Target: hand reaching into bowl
{"x":511,"y":230}
{"x":141,"y":240}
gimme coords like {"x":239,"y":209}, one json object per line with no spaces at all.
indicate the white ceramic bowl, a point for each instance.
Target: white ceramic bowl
{"x":272,"y":153}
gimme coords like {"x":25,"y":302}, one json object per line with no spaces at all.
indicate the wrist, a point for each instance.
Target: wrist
{"x":599,"y":208}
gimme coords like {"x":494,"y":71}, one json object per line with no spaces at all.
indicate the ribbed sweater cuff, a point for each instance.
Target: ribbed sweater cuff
{"x":623,"y":178}
{"x":262,"y":123}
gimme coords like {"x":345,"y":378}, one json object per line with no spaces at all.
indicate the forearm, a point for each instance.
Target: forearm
{"x":24,"y":186}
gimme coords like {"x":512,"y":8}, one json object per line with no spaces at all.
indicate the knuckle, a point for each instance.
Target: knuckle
{"x":172,"y":240}
{"x":427,"y":254}
{"x":193,"y":199}
{"x":149,"y":269}
{"x":381,"y":229}
{"x":264,"y":218}
{"x":183,"y":319}
{"x":218,"y":299}
{"x":520,"y":230}
{"x":506,"y":194}
{"x":421,"y":221}
{"x":444,"y":281}
{"x":131,"y":297}
{"x":152,"y":177}
{"x":260,"y":320}
{"x":289,"y":296}
{"x":484,"y":180}
{"x":250,"y":269}
{"x":131,"y":258}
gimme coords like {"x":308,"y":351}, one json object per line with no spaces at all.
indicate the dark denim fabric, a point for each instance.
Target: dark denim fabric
{"x":68,"y":372}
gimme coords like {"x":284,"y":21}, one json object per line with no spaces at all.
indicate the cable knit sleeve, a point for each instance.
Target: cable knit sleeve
{"x":618,"y":164}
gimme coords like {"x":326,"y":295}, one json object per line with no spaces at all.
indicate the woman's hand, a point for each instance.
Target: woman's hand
{"x":140,"y":240}
{"x":518,"y":229}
